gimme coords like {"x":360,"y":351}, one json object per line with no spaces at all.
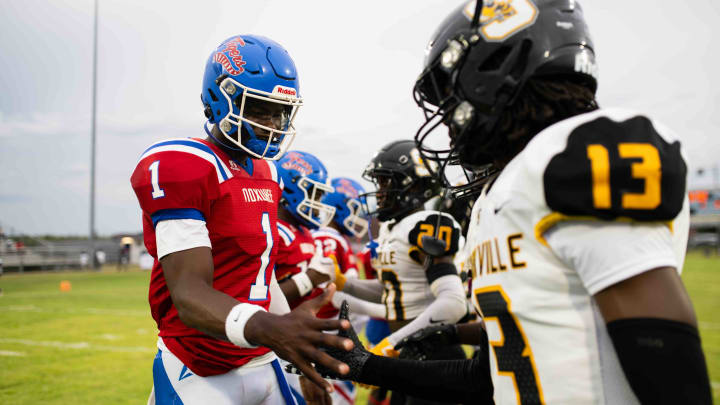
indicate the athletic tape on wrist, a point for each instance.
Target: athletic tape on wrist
{"x":235,"y":323}
{"x":303,"y":283}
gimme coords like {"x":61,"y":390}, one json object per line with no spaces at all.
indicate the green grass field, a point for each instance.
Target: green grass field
{"x":96,"y":343}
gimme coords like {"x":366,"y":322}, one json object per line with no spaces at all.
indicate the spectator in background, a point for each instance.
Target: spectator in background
{"x":100,"y":258}
{"x":84,"y":258}
{"x":124,"y":257}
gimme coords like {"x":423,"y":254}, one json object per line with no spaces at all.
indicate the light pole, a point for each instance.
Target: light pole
{"x":92,"y":142}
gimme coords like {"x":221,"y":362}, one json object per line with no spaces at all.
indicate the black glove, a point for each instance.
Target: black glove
{"x":423,"y":343}
{"x":354,"y":358}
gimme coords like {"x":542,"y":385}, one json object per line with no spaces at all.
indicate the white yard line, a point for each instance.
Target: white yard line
{"x":93,"y":311}
{"x":109,"y":336}
{"x":11,"y":354}
{"x":78,"y":345}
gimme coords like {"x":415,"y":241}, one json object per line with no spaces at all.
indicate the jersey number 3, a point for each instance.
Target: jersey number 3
{"x":512,"y":352}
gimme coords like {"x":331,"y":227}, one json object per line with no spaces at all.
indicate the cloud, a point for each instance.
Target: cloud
{"x":14,"y":198}
{"x":37,"y":124}
{"x":52,"y":123}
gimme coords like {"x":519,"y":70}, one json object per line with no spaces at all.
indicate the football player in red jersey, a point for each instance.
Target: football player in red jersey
{"x":305,"y":182}
{"x":304,"y":207}
{"x":349,"y":221}
{"x":209,"y":217}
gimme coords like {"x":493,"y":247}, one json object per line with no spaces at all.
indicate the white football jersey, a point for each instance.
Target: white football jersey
{"x":590,"y":201}
{"x":407,"y":291}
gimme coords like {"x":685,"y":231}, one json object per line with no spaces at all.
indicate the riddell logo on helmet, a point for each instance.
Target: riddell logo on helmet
{"x":584,"y":64}
{"x":230,"y":58}
{"x":296,"y":162}
{"x":285,"y":91}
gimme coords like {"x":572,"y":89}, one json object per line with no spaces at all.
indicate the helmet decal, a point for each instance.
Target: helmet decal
{"x":421,"y":170}
{"x":305,"y":185}
{"x":501,"y":19}
{"x":346,"y":187}
{"x":295,"y":161}
{"x":229,"y":56}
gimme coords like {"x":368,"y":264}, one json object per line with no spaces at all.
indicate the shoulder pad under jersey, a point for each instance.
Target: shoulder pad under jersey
{"x":432,"y":223}
{"x":617,"y":168}
{"x":178,"y":174}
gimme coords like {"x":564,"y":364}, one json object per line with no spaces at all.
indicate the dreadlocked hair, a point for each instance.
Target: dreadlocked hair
{"x":543,"y":101}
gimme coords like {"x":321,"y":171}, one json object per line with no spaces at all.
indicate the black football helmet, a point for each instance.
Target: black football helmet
{"x":477,"y":62}
{"x":402,"y":180}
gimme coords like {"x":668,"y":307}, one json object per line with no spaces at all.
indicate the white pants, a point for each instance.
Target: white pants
{"x":174,"y":384}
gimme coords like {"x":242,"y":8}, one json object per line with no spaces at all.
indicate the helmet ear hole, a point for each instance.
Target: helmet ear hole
{"x":521,"y":61}
{"x":496,"y":60}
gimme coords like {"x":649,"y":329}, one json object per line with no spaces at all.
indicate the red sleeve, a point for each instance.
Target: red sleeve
{"x":175,"y":180}
{"x":295,"y":250}
{"x":370,"y":272}
{"x":336,"y":245}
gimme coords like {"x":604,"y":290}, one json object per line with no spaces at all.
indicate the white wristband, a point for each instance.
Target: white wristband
{"x":235,"y":323}
{"x":303,"y":283}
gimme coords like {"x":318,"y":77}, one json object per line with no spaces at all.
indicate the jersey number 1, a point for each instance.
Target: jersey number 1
{"x":157,"y":192}
{"x":259,"y":290}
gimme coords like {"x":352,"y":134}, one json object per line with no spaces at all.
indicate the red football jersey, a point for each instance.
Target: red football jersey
{"x":333,"y":243}
{"x":295,"y":249}
{"x":190,"y":178}
{"x":366,"y":259}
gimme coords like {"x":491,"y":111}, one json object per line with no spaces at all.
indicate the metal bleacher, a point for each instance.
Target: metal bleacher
{"x":705,"y":219}
{"x":54,"y":255}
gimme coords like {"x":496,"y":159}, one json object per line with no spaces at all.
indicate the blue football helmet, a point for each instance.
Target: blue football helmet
{"x":305,"y":183}
{"x":346,"y":200}
{"x":251,"y":83}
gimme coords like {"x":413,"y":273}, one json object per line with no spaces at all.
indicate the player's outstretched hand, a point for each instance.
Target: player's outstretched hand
{"x":325,"y":265}
{"x":354,"y":358}
{"x":423,"y":343}
{"x":298,"y":336}
{"x":312,"y":394}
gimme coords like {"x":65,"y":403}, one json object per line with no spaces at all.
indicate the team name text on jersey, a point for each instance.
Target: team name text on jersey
{"x":492,"y":256}
{"x":257,"y":194}
{"x":387,"y":257}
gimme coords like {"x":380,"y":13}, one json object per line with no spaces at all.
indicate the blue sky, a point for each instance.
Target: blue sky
{"x":357,"y":63}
